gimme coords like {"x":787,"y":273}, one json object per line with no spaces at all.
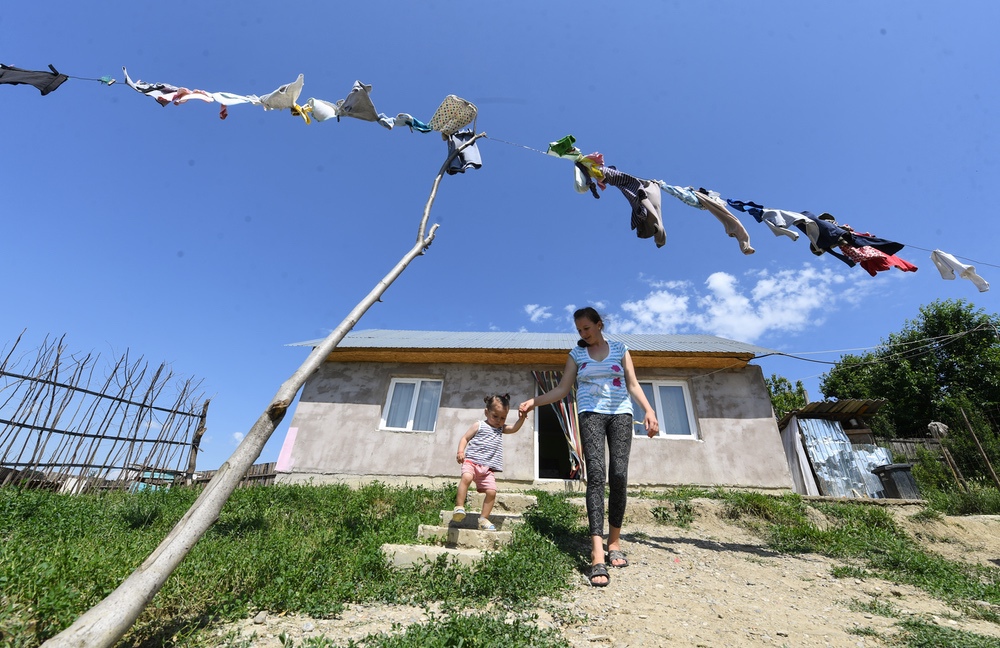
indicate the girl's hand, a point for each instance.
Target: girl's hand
{"x":460,"y":457}
{"x":522,"y":415}
{"x":525,"y":407}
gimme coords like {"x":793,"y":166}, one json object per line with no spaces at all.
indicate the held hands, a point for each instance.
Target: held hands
{"x":525,"y":407}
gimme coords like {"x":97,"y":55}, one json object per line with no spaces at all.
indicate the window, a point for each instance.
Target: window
{"x":672,"y":403}
{"x":412,"y":404}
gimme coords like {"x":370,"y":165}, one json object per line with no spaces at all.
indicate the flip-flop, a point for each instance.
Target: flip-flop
{"x":614,"y":555}
{"x":600,"y":569}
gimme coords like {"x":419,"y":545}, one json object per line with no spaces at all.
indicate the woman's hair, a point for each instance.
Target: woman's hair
{"x":503,"y":398}
{"x":590,"y":313}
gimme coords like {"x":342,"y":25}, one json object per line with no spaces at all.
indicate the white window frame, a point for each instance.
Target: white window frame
{"x":639,"y":430}
{"x":417,"y":382}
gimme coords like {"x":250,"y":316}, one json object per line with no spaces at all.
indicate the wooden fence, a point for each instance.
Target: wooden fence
{"x":60,"y":431}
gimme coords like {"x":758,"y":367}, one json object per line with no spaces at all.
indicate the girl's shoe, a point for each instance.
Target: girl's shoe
{"x":486,"y":525}
{"x":458,"y":514}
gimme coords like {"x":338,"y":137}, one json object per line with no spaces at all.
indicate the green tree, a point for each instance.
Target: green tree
{"x":785,"y":397}
{"x":942,"y":366}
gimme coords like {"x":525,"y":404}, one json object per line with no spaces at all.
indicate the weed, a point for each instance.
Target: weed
{"x":478,"y":630}
{"x":918,"y":634}
{"x":866,"y":631}
{"x":874,"y":605}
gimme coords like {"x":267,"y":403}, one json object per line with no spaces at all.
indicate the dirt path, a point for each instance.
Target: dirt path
{"x":714,"y":585}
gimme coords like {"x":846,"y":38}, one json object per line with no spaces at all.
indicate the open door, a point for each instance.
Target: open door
{"x":558,"y":453}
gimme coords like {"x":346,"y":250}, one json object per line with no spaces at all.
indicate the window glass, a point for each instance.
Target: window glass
{"x":427,"y":405}
{"x":399,"y":405}
{"x":639,"y":413}
{"x":672,"y":404}
{"x":412,"y":404}
{"x":674,"y":419}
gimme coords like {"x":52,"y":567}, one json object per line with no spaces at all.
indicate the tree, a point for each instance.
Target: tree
{"x":785,"y":397}
{"x":944,"y":361}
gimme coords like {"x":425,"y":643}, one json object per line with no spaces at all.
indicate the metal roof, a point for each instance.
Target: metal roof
{"x":837,"y":410}
{"x":393,"y":339}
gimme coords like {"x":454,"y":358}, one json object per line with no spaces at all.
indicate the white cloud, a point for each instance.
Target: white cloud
{"x":537,"y":313}
{"x":786,"y":301}
{"x":238,"y":436}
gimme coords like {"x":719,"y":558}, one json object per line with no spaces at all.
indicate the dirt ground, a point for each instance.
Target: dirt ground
{"x":712,"y":585}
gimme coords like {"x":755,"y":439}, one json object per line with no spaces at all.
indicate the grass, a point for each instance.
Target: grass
{"x":313,"y":549}
{"x":307,"y":549}
{"x":870,"y":543}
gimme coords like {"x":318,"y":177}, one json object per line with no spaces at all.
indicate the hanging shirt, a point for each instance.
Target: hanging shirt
{"x":46,"y":82}
{"x":486,"y":447}
{"x":948,"y":266}
{"x":684,"y":194}
{"x":468,"y":158}
{"x":600,"y":386}
{"x":644,"y":198}
{"x":711,"y":201}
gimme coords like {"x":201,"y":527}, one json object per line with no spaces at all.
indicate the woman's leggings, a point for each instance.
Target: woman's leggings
{"x":616,"y":429}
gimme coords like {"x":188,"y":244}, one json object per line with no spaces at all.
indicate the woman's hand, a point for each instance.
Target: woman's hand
{"x":652,"y":425}
{"x":526,"y":407}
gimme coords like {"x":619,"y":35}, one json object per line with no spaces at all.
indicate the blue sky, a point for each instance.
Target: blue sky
{"x":212,"y":244}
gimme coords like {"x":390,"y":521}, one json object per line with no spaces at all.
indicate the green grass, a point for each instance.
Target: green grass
{"x":870,"y":542}
{"x":307,"y":549}
{"x":313,"y":549}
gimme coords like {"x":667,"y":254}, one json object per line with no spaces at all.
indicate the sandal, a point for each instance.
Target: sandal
{"x":486,"y":525}
{"x":596,"y":571}
{"x":458,"y":514}
{"x":614,"y":555}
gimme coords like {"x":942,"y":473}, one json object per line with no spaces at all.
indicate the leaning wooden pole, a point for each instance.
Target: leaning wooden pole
{"x":104,"y":624}
{"x":986,"y":457}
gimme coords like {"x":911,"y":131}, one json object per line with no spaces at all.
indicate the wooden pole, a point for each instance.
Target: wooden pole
{"x":196,"y":443}
{"x":104,"y":624}
{"x":981,"y":451}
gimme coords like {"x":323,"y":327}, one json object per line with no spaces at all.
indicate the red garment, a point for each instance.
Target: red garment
{"x":874,"y":260}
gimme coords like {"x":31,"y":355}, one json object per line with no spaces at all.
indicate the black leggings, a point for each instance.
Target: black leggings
{"x":616,"y":429}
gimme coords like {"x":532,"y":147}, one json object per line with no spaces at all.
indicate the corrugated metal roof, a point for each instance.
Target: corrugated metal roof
{"x":393,"y":339}
{"x":838,"y":410}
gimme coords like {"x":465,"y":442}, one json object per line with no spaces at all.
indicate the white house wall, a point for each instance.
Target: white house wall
{"x":336,"y":435}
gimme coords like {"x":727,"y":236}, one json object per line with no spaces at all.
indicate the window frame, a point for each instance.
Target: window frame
{"x":638,"y":429}
{"x":415,"y":400}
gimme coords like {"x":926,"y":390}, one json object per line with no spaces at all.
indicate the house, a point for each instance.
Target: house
{"x":391,"y":405}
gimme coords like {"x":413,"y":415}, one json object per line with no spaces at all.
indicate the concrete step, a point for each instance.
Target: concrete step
{"x":404,"y":556}
{"x":505,"y":503}
{"x":457,"y":537}
{"x":502,"y":521}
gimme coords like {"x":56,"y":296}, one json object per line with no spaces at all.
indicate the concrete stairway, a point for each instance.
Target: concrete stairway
{"x":463,"y":541}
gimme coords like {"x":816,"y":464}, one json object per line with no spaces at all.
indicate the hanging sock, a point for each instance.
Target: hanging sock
{"x":46,"y":82}
{"x":948,"y":266}
{"x":413,"y":123}
{"x":106,"y":80}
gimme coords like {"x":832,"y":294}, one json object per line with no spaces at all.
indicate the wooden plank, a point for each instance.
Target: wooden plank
{"x":533,"y":357}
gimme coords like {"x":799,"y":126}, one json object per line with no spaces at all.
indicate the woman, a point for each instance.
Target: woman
{"x":605,"y":378}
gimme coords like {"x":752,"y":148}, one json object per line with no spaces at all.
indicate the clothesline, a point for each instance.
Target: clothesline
{"x":590,"y":172}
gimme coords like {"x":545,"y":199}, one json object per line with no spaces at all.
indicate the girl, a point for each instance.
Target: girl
{"x":605,"y":378}
{"x":480,"y":453}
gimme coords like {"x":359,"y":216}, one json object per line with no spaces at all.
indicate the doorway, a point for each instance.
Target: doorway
{"x":552,"y":451}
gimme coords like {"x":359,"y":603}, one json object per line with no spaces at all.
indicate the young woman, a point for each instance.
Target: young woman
{"x":605,"y":378}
